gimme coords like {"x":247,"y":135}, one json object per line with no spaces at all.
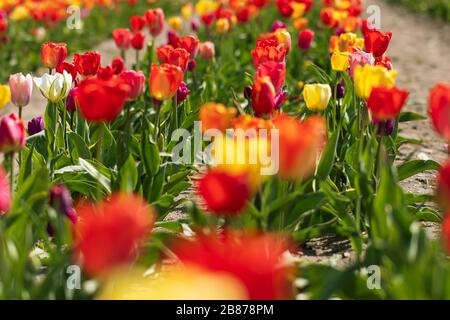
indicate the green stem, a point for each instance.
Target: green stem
{"x":20,"y":153}
{"x":99,"y":157}
{"x":157,"y":124}
{"x":137,"y":60}
{"x":175,"y":112}
{"x":11,"y":173}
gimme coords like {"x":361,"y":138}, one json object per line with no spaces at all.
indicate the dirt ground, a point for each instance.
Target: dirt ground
{"x":420,"y":51}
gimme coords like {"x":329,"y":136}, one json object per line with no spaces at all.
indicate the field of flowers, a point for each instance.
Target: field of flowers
{"x":200,"y":168}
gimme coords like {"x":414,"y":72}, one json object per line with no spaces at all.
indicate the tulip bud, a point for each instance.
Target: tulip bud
{"x":278,"y":25}
{"x":52,"y":54}
{"x":71,"y":105}
{"x":183,"y":92}
{"x":340,"y":90}
{"x":117,"y":65}
{"x":305,"y":39}
{"x":61,"y":200}
{"x":12,"y":134}
{"x":35,"y":125}
{"x":21,"y":89}
{"x":194,"y":25}
{"x":192,"y":65}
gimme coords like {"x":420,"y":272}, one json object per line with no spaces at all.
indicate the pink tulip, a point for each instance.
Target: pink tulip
{"x":21,"y":89}
{"x":360,"y":58}
{"x":5,"y":194}
{"x":12,"y":134}
{"x":136,"y":80}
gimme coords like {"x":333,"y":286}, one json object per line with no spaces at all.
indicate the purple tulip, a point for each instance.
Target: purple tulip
{"x":35,"y":125}
{"x":384,"y":127}
{"x":61,"y":200}
{"x":71,"y":105}
{"x":340,"y":90}
{"x":183,"y":92}
{"x":278,"y":25}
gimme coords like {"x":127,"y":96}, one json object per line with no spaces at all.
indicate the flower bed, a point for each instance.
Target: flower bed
{"x":200,"y":172}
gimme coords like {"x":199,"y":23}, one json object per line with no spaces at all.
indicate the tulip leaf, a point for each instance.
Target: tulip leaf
{"x":328,"y":156}
{"x":128,"y":175}
{"x":410,"y":116}
{"x":150,"y":155}
{"x":78,"y":146}
{"x":414,"y":167}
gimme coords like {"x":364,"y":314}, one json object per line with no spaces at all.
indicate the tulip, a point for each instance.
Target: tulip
{"x":317,"y":96}
{"x":439,"y":109}
{"x":70,"y":68}
{"x":117,"y":65}
{"x":216,"y":116}
{"x":275,"y":70}
{"x":340,"y":90}
{"x":443,"y":187}
{"x":165,"y":81}
{"x":263,"y":96}
{"x":446,"y":233}
{"x":102,"y":100}
{"x":377,"y":42}
{"x":384,"y":127}
{"x":368,"y":77}
{"x":207,"y":50}
{"x":340,"y":61}
{"x":12,"y":134}
{"x":5,"y":95}
{"x":252,"y":259}
{"x":5,"y":193}
{"x":71,"y":104}
{"x":187,"y":10}
{"x":182,"y":92}
{"x":35,"y":125}
{"x":21,"y":89}
{"x":190,"y":44}
{"x":172,"y":38}
{"x":223,"y":26}
{"x":178,"y":57}
{"x":267,"y":53}
{"x":52,"y":54}
{"x":122,"y":38}
{"x":136,"y":81}
{"x":278,"y":25}
{"x":105,"y":73}
{"x":137,"y":23}
{"x":360,"y":58}
{"x":175,"y":23}
{"x":101,"y":242}
{"x":223,"y":193}
{"x":305,"y":39}
{"x":55,"y":87}
{"x":155,"y":21}
{"x":137,"y":41}
{"x":61,"y":200}
{"x":385,"y":103}
{"x":87,"y":63}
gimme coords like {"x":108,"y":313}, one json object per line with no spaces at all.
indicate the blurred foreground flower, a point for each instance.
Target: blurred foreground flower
{"x":12,"y":134}
{"x":5,"y":193}
{"x":5,"y":95}
{"x":439,"y":109}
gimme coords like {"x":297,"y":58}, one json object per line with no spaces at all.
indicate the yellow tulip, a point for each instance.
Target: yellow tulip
{"x":346,"y":41}
{"x":175,"y":23}
{"x":5,"y":95}
{"x":222,"y":25}
{"x":19,"y":13}
{"x":298,"y":10}
{"x":340,"y":61}
{"x":317,"y":96}
{"x":187,"y":10}
{"x":205,"y":7}
{"x":368,"y":77}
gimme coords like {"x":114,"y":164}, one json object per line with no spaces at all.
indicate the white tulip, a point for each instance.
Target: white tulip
{"x":54,"y":87}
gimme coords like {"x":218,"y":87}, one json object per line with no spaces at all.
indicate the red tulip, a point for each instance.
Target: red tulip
{"x":305,"y":39}
{"x":12,"y":134}
{"x":377,"y":42}
{"x":439,"y":109}
{"x":223,"y":193}
{"x":52,"y":54}
{"x":122,"y":38}
{"x":5,"y":194}
{"x":137,"y":23}
{"x":105,"y":73}
{"x":178,"y":57}
{"x":446,"y":232}
{"x":87,"y":63}
{"x":117,"y":65}
{"x":137,"y":40}
{"x":327,"y":17}
{"x":108,"y":234}
{"x":263,"y":96}
{"x":275,"y":70}
{"x":385,"y":103}
{"x":165,"y":81}
{"x":254,"y":259}
{"x":285,"y":8}
{"x":70,"y":68}
{"x":190,"y":44}
{"x":102,"y":100}
{"x":136,"y":81}
{"x":155,"y":21}
{"x":264,"y":53}
{"x":443,"y":187}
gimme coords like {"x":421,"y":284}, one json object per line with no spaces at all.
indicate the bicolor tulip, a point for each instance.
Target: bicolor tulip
{"x":54,"y":87}
{"x":360,"y":58}
{"x":386,"y":103}
{"x":21,"y":89}
{"x":377,"y":42}
{"x":317,"y":96}
{"x":368,"y":77}
{"x":52,"y":54}
{"x":439,"y":109}
{"x":12,"y":134}
{"x":165,"y":80}
{"x":5,"y":95}
{"x":70,"y":68}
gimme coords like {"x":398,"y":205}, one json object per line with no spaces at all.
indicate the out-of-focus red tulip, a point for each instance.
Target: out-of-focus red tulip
{"x":384,"y":61}
{"x":223,"y":193}
{"x":5,"y":194}
{"x":276,"y":71}
{"x":137,"y":23}
{"x":87,"y":63}
{"x":263,"y":96}
{"x":386,"y":103}
{"x":155,"y":21}
{"x":178,"y":57}
{"x":136,"y":81}
{"x":108,"y":234}
{"x":137,"y":41}
{"x":305,"y":39}
{"x":165,"y":80}
{"x":439,"y":109}
{"x":254,"y":259}
{"x":327,"y":17}
{"x":52,"y":54}
{"x":102,"y":100}
{"x":443,"y":187}
{"x":190,"y":44}
{"x":105,"y":73}
{"x":12,"y":134}
{"x":122,"y":38}
{"x":446,"y":232}
{"x":285,"y":7}
{"x":117,"y":65}
{"x":377,"y":42}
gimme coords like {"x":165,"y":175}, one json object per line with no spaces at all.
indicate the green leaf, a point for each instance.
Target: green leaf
{"x":78,"y":146}
{"x":410,"y":116}
{"x":150,"y":155}
{"x":328,"y":156}
{"x":95,"y":173}
{"x":128,"y":175}
{"x":414,"y":167}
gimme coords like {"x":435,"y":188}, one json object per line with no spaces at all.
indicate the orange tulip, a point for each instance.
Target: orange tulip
{"x":268,"y":51}
{"x":165,"y":81}
{"x":52,"y":54}
{"x":177,"y":57}
{"x":216,"y":116}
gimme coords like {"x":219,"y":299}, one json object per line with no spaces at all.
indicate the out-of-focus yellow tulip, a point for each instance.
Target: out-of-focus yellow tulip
{"x":187,"y":10}
{"x":317,"y":96}
{"x":19,"y":13}
{"x":204,"y":7}
{"x":298,"y":10}
{"x":222,"y":25}
{"x":5,"y":95}
{"x":340,"y":61}
{"x":368,"y":77}
{"x":175,"y":23}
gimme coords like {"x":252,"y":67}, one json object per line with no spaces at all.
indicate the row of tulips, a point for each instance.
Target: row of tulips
{"x":99,"y":185}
